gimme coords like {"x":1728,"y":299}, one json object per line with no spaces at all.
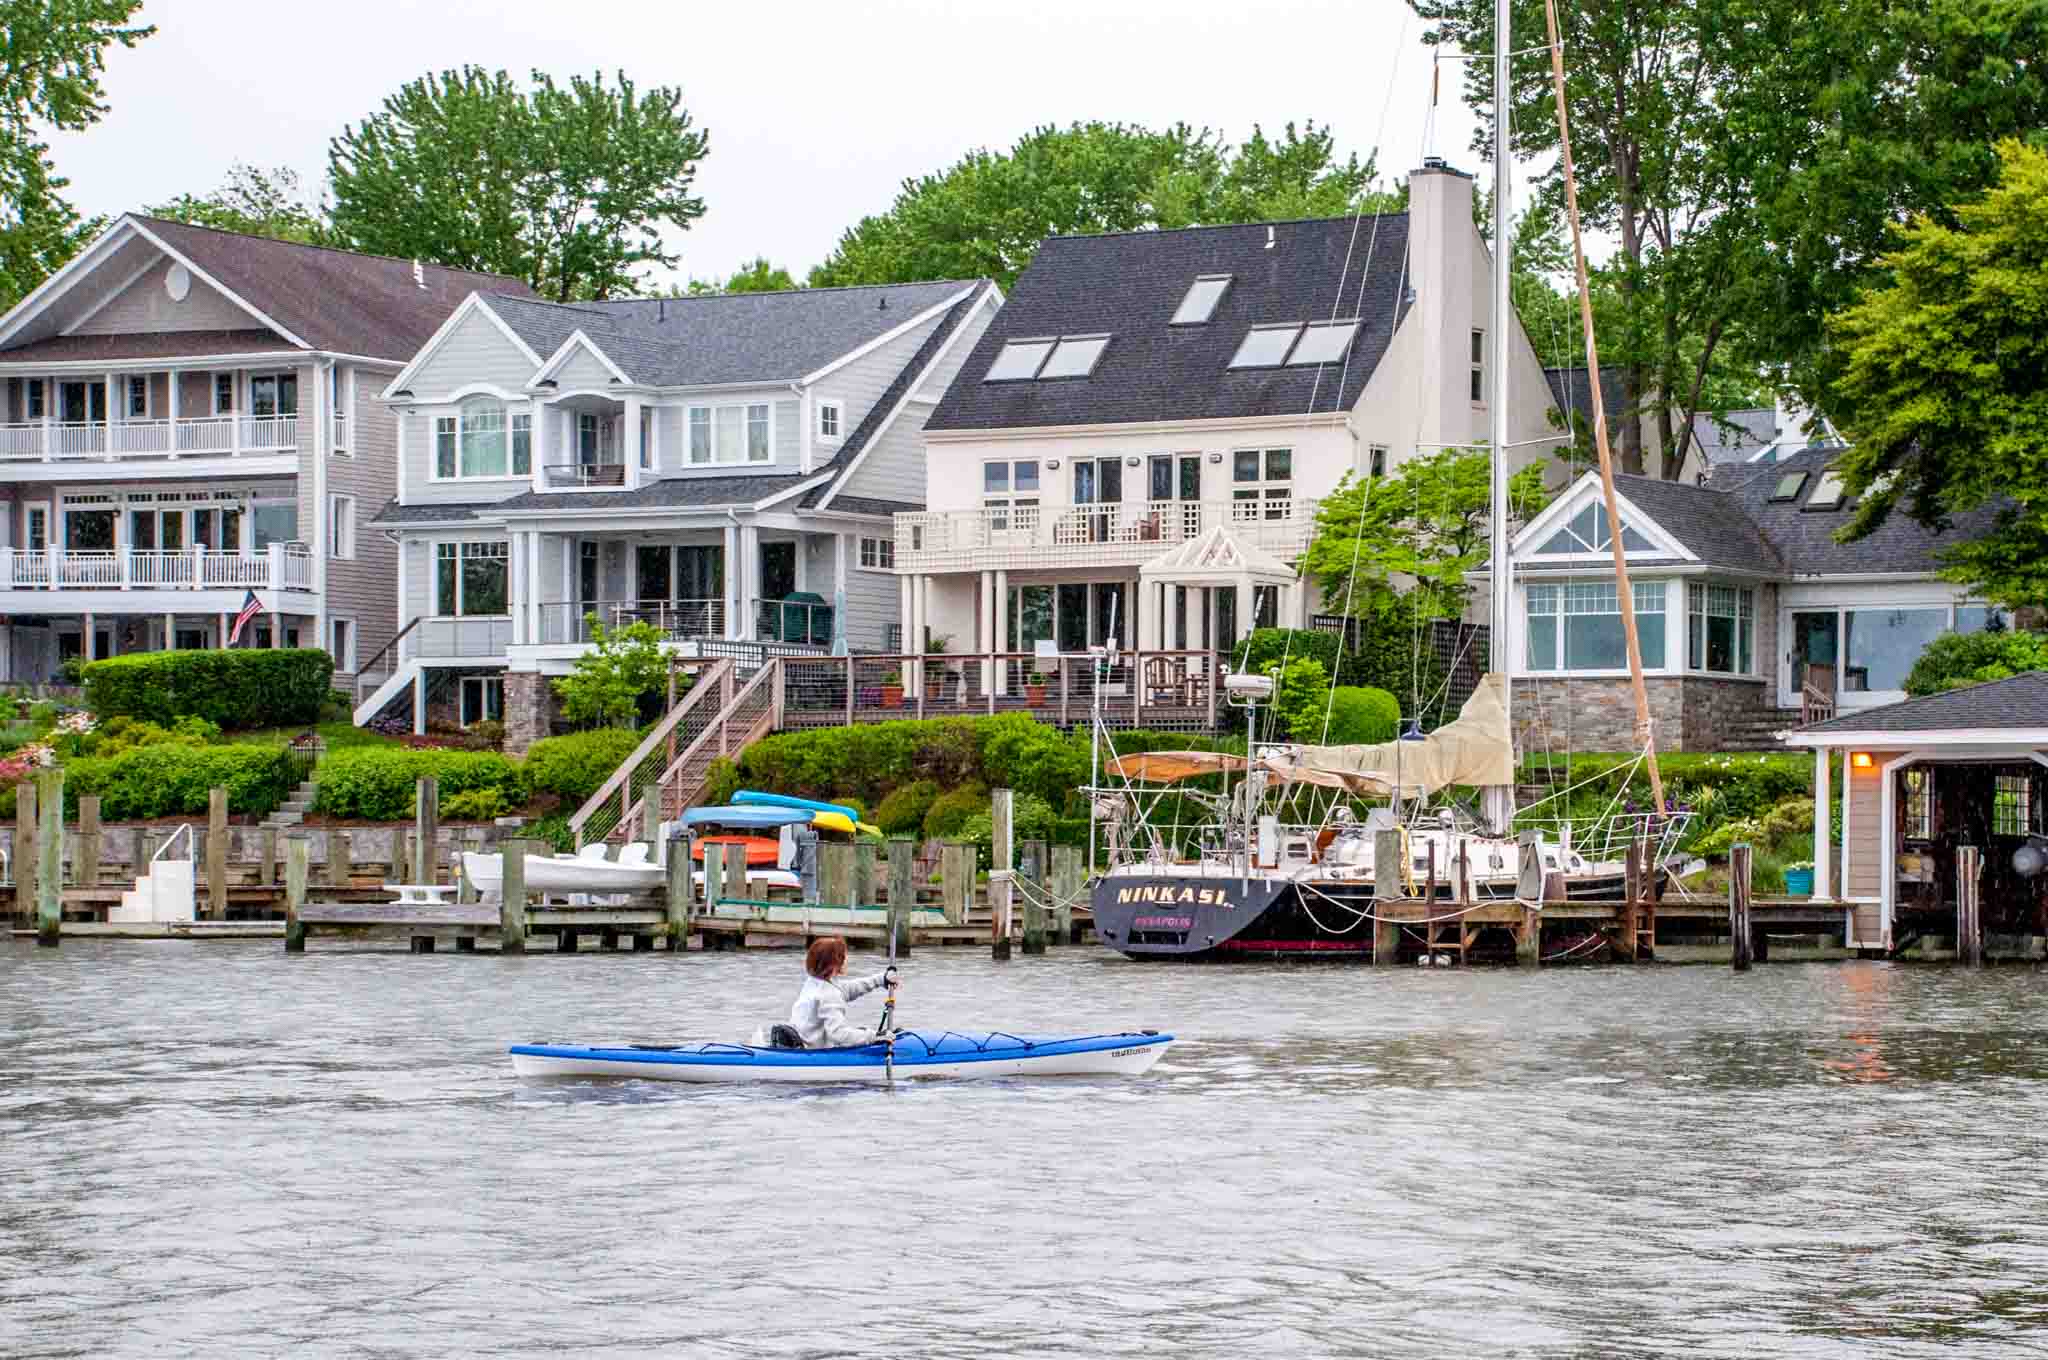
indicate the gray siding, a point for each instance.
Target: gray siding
{"x":582,"y":370}
{"x":893,"y":466}
{"x":789,"y":434}
{"x":670,"y":428}
{"x":420,"y":486}
{"x":476,"y":351}
{"x":361,"y":588}
{"x":871,"y":596}
{"x":144,"y":306}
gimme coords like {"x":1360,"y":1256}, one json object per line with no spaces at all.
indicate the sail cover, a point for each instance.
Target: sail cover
{"x":1475,"y":748}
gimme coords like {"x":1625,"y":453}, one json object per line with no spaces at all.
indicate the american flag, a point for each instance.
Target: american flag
{"x":251,"y":607}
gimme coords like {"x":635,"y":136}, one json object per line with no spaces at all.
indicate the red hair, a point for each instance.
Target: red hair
{"x":825,"y":957}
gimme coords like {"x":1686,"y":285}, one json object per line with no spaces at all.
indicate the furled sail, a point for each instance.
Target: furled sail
{"x":1475,"y":748}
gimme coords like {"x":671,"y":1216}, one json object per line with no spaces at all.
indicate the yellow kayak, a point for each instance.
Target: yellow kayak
{"x":832,"y":821}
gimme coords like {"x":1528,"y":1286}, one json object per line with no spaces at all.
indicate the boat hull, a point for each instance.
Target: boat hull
{"x":565,"y":874}
{"x":919,"y":1054}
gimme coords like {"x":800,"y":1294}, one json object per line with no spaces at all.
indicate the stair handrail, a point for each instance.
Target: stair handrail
{"x":370,"y":667}
{"x":709,"y":680}
{"x":690,"y":752}
{"x":184,"y":830}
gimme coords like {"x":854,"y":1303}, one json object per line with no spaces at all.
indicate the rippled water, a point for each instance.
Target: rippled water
{"x":219,"y":1150}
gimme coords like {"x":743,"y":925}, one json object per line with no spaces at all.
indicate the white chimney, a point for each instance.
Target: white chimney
{"x":1447,"y":269}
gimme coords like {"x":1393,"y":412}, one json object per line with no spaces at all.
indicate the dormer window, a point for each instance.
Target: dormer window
{"x":1789,"y":486}
{"x":1827,"y":492}
{"x":1323,"y":342}
{"x":1062,"y":356}
{"x":1265,"y":346}
{"x":1200,"y":303}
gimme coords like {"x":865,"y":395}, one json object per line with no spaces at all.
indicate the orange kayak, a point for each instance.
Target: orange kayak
{"x":762,"y":851}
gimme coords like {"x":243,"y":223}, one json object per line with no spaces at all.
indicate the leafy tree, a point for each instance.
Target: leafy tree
{"x":1427,"y":523}
{"x":611,"y":679}
{"x":253,"y":201}
{"x":759,"y":276}
{"x":567,"y":188}
{"x":1944,"y":383}
{"x":985,"y":214}
{"x":1955,"y":659}
{"x":52,"y":54}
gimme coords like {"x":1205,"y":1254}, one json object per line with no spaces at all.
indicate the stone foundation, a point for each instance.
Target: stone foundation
{"x":1688,"y":713}
{"x":529,"y":710}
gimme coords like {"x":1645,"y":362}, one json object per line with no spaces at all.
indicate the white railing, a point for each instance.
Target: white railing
{"x":73,"y":439}
{"x":281,"y":566}
{"x":21,"y":439}
{"x":925,"y":538}
{"x":270,"y":432}
{"x":210,"y":434}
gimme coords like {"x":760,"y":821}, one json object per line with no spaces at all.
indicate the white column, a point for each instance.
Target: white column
{"x":235,"y":413}
{"x":276,"y":630}
{"x":322,"y":445}
{"x":921,"y":606}
{"x":544,"y":435}
{"x":171,"y":410}
{"x":1823,"y":823}
{"x":904,"y":607}
{"x":170,"y":632}
{"x":630,"y":455}
{"x":515,"y":586}
{"x":652,"y":415}
{"x":749,"y":577}
{"x":1001,"y":629}
{"x":419,"y":702}
{"x":984,"y":623}
{"x":533,"y":582}
{"x":113,"y":410}
{"x":90,"y":633}
{"x":220,"y":638}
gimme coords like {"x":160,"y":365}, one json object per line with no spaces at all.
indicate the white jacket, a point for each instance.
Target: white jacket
{"x":819,"y":1014}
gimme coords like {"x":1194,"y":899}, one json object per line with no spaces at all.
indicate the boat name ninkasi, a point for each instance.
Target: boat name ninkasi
{"x":1166,"y":894}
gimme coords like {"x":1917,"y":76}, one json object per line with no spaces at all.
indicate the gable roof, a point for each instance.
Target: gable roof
{"x":2017,"y":703}
{"x":723,"y":338}
{"x":1734,"y":436}
{"x":1711,"y":523}
{"x":1129,"y":285}
{"x":1571,"y":389}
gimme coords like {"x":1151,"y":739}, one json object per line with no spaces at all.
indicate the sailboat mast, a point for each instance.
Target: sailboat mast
{"x":1622,"y":591}
{"x":1500,"y":800}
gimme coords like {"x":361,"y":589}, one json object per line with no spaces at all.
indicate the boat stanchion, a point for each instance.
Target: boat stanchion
{"x":512,"y":898}
{"x":1032,"y":870}
{"x":902,"y":894}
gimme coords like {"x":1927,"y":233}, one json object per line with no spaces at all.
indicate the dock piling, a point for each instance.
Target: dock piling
{"x":735,"y":870}
{"x":835,"y":874}
{"x":806,"y":865}
{"x":426,"y":829}
{"x":679,"y":896}
{"x":266,"y":872}
{"x":296,"y":863}
{"x":865,"y":893}
{"x":1969,"y":920}
{"x":217,"y":853}
{"x":24,"y":865}
{"x":512,"y":898}
{"x":956,"y":880}
{"x":902,"y":892}
{"x":1002,"y":864}
{"x":1066,"y":890}
{"x":1031,"y":866}
{"x":714,"y":877}
{"x":1739,"y":935}
{"x":50,"y":857}
{"x":340,"y":873}
{"x":85,"y":870}
{"x":1386,"y":888}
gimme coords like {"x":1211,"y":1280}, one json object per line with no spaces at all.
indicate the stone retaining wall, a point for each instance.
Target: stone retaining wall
{"x":1688,"y":713}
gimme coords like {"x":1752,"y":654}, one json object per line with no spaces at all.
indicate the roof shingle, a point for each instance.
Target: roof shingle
{"x":2018,"y":702}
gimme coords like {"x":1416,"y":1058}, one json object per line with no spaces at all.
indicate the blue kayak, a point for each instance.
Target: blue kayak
{"x":747,"y":817}
{"x":755,"y":798}
{"x":919,"y":1053}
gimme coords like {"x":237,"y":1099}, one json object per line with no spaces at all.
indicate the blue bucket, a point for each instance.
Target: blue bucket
{"x":1799,"y":882}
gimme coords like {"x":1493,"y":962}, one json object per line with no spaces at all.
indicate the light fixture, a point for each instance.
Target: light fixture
{"x":1132,"y":461}
{"x":1053,"y":464}
{"x":1215,"y":457}
{"x":1861,"y":760}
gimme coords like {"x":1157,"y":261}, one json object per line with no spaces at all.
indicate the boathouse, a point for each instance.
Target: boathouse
{"x":1919,"y":779}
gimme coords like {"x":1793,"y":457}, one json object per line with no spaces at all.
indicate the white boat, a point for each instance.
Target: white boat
{"x":918,"y":1053}
{"x":586,"y":872}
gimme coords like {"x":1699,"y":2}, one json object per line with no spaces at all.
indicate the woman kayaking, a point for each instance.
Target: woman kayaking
{"x":819,"y":1015}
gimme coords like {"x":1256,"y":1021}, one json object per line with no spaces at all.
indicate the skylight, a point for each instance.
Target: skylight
{"x":1324,"y":342}
{"x":1019,"y":359}
{"x":1827,"y":492}
{"x":1074,"y":356}
{"x":1789,"y":486}
{"x":1200,"y":303}
{"x":1265,"y":346}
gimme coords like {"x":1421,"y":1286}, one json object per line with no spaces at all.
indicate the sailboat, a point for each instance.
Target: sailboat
{"x":1255,"y":884}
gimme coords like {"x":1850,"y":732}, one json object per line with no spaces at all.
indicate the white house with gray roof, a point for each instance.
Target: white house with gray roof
{"x":725,"y":467}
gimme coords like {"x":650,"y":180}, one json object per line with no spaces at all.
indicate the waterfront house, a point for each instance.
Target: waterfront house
{"x":1921,"y":779}
{"x":724,"y":467}
{"x":1751,"y":616}
{"x":190,"y":415}
{"x":1137,"y":445}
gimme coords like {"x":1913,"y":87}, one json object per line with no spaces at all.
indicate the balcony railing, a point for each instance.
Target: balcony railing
{"x":562,"y":475}
{"x":487,"y":635}
{"x":566,"y":623}
{"x":207,"y":436}
{"x":1120,"y":531}
{"x":282,"y":566}
{"x":793,"y":621}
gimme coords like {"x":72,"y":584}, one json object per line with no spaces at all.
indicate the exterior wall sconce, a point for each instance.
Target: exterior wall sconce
{"x":1861,"y":760}
{"x":1052,"y":464}
{"x":1215,"y":457}
{"x":1132,"y":461}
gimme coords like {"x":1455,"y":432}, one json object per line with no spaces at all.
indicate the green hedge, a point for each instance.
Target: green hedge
{"x":575,"y":766}
{"x":377,"y":784}
{"x":173,"y":780}
{"x":242,"y":687}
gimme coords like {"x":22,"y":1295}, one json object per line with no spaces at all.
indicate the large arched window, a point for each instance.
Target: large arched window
{"x":481,"y":441}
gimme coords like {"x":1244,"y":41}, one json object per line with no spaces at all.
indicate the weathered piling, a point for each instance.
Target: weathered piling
{"x":426,"y":829}
{"x":902,"y":892}
{"x":835,"y":874}
{"x":735,"y":857}
{"x":1002,"y":865}
{"x":806,"y":864}
{"x":512,"y":898}
{"x":50,"y":857}
{"x":679,"y":895}
{"x":85,"y":868}
{"x":266,"y":872}
{"x":1387,"y":887}
{"x":864,"y":890}
{"x":297,"y":860}
{"x":1031,"y":872}
{"x":1969,"y":919}
{"x":1067,"y":873}
{"x":340,"y":873}
{"x":1529,"y":935}
{"x":24,"y":862}
{"x":956,"y":880}
{"x":1739,"y":933}
{"x":217,"y":853}
{"x":714,"y":878}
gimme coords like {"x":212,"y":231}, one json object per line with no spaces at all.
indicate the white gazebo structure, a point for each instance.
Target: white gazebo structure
{"x":1213,"y":562}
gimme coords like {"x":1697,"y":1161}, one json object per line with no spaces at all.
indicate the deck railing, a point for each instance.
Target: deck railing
{"x":1122,"y":530}
{"x":281,"y":566}
{"x":65,"y":440}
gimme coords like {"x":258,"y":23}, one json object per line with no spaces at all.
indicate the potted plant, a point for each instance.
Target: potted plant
{"x":1799,"y":878}
{"x":892,"y":690}
{"x":1034,"y":688}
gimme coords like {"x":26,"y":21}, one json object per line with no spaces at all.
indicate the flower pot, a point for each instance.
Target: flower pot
{"x":1034,"y":695}
{"x":892,"y":696}
{"x":1799,"y":882}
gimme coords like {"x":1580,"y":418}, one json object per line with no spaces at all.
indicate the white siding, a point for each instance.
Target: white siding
{"x":420,"y":486}
{"x":583,"y":370}
{"x":476,"y":351}
{"x":144,"y":305}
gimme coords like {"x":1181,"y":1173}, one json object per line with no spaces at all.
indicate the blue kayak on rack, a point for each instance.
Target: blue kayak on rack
{"x":755,"y":798}
{"x":748,"y":817}
{"x":918,"y":1053}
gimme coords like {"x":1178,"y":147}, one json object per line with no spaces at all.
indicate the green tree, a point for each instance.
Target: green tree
{"x":984,"y":215}
{"x":610,"y":680}
{"x":759,"y":276}
{"x":254,"y":201}
{"x":1943,"y":389}
{"x":1426,"y":523}
{"x":567,"y":188}
{"x":1956,"y":659}
{"x":52,"y":54}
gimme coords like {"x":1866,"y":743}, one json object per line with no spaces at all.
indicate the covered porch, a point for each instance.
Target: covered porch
{"x":35,"y":647}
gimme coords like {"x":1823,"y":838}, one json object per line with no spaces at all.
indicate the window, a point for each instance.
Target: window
{"x":38,"y":527}
{"x":878,"y":554}
{"x":1789,"y":486}
{"x":1261,"y":483}
{"x":1577,"y":627}
{"x":1019,"y":359}
{"x":469,"y":578}
{"x":2012,"y":805}
{"x":1827,"y":492}
{"x":1376,"y":459}
{"x":271,"y":521}
{"x":1720,"y":629}
{"x":830,"y":413}
{"x":1323,"y":342}
{"x":1200,"y":303}
{"x":274,"y":394}
{"x":1074,"y":356}
{"x":731,"y":434}
{"x":483,"y":699}
{"x":1007,"y":486}
{"x":1919,"y":788}
{"x":1982,"y":618}
{"x":341,"y":527}
{"x":589,"y":442}
{"x":483,"y":439}
{"x":647,"y":438}
{"x":138,"y":397}
{"x":1586,"y":532}
{"x":1478,"y":365}
{"x":522,"y":445}
{"x":223,"y":393}
{"x":444,"y":446}
{"x":342,"y":644}
{"x":35,"y":398}
{"x":1882,"y":644}
{"x":1265,"y":346}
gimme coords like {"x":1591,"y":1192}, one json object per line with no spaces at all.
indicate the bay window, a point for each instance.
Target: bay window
{"x":1720,"y":629}
{"x":471,"y":578}
{"x":1577,"y":627}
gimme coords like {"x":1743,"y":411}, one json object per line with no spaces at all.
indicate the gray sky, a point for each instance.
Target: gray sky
{"x":817,"y":110}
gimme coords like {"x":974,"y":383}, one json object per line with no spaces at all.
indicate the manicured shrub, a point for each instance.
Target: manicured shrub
{"x":173,"y":779}
{"x":951,"y":811}
{"x":377,"y":783}
{"x":1971,"y":658}
{"x":721,"y":782}
{"x":242,"y":687}
{"x":475,"y":805}
{"x":1361,"y":714}
{"x":902,"y":813}
{"x":575,"y":766}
